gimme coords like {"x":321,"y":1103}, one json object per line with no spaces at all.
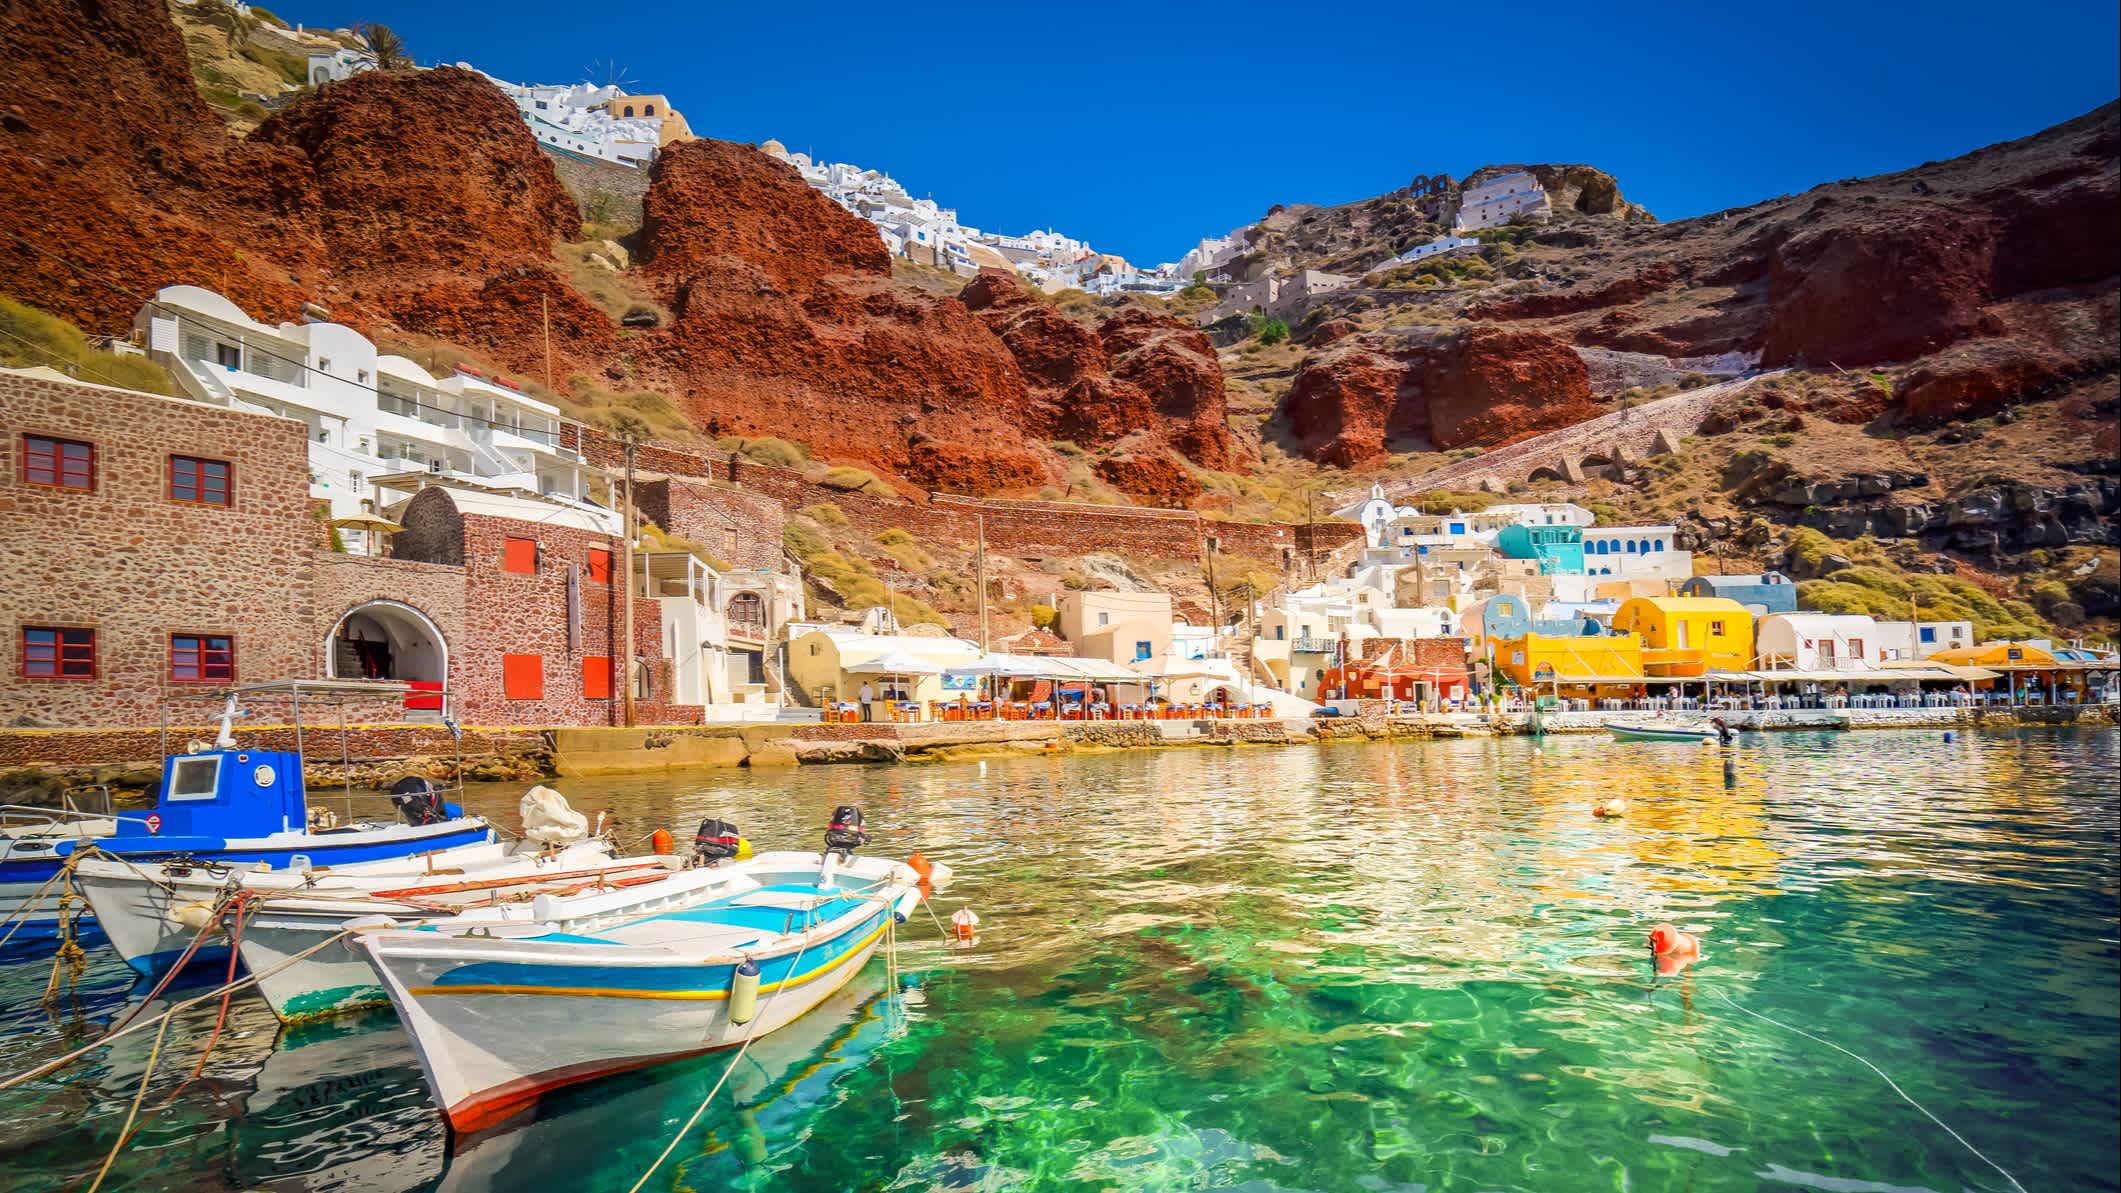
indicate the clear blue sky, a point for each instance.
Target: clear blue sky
{"x":1144,"y":126}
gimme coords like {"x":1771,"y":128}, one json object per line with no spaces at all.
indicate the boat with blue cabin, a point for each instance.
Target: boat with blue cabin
{"x":218,"y":803}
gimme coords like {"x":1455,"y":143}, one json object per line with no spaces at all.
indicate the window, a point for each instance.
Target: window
{"x":599,"y":565}
{"x":1104,"y":619}
{"x":198,"y":481}
{"x":229,"y":357}
{"x":596,"y":677}
{"x":1141,"y":651}
{"x":1280,"y":632}
{"x":1855,"y":648}
{"x":1929,"y":633}
{"x":729,"y":543}
{"x":522,"y":677}
{"x":648,"y":110}
{"x":202,"y":658}
{"x":519,"y":556}
{"x":50,"y":652}
{"x":59,"y":463}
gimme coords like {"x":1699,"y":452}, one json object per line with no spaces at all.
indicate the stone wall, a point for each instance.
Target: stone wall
{"x":364,"y":743}
{"x":1031,"y":529}
{"x":126,"y":561}
{"x":600,"y":189}
{"x":740,"y":528}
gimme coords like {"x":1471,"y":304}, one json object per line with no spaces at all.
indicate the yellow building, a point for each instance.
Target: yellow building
{"x":1689,"y":636}
{"x":1570,"y":664}
{"x":651,"y":107}
{"x":819,"y":655}
{"x":1118,"y":627}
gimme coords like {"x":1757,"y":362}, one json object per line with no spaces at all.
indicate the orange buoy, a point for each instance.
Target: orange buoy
{"x":1674,"y":950}
{"x":920,"y":865}
{"x":661,"y":841}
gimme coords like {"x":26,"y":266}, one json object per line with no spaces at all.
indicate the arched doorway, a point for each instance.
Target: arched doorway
{"x":387,"y":640}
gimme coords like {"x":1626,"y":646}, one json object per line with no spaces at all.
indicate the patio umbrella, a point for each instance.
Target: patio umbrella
{"x":369,"y":522}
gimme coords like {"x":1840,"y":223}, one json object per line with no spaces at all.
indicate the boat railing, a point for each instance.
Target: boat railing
{"x":22,"y":815}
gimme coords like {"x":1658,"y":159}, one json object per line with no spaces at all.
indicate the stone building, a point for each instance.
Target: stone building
{"x":148,"y":545}
{"x":153,"y":546}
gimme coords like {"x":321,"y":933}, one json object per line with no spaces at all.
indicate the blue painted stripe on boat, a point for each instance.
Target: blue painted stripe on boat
{"x":529,"y":977}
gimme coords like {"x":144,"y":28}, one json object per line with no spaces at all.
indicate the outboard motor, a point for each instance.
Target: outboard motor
{"x":717,"y":841}
{"x":418,"y":802}
{"x":845,"y":834}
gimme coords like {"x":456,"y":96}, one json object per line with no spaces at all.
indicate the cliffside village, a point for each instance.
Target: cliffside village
{"x":312,"y":507}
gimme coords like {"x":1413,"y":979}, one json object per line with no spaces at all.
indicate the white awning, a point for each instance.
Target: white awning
{"x":896,"y":662}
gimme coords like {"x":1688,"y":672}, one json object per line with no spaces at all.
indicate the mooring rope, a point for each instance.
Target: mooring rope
{"x":54,"y":1065}
{"x":1888,"y":1080}
{"x":757,"y":1021}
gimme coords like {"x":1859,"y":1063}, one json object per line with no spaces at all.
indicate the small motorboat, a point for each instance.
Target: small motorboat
{"x":1671,"y":731}
{"x":505,"y":1004}
{"x":152,"y":911}
{"x":226,"y":805}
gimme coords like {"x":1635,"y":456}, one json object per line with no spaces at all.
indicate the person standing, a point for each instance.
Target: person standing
{"x":866,"y":697}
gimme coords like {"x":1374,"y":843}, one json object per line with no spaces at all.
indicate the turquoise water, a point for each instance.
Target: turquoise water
{"x":1369,"y":967}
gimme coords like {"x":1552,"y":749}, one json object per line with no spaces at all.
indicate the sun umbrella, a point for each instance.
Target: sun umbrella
{"x":368,"y":522}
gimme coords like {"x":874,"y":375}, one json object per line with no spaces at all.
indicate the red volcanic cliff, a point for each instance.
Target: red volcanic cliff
{"x":1482,"y":387}
{"x":786,"y":320}
{"x":1148,"y":379}
{"x":109,"y":158}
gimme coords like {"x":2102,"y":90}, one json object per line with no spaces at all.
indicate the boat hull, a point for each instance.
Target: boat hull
{"x":20,"y":879}
{"x":491,"y":1049}
{"x":1659,"y":733}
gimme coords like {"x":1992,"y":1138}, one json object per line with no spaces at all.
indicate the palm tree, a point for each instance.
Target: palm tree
{"x":387,"y":46}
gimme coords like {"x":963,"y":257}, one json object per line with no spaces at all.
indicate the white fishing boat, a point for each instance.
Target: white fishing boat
{"x":1694,"y":733}
{"x":505,"y":1004}
{"x":152,"y":911}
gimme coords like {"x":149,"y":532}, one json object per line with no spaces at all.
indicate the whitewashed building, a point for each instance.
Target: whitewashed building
{"x":376,"y":421}
{"x":1817,"y":642}
{"x":1920,"y":640}
{"x":1635,"y":553}
{"x":1500,"y":199}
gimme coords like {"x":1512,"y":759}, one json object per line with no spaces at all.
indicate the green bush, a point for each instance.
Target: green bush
{"x":766,"y":450}
{"x":266,"y":15}
{"x":894,"y":536}
{"x":802,"y":542}
{"x":30,"y":337}
{"x":1269,"y":331}
{"x":854,"y":480}
{"x":824,"y":513}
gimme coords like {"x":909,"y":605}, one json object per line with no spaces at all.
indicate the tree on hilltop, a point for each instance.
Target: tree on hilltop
{"x":387,"y":46}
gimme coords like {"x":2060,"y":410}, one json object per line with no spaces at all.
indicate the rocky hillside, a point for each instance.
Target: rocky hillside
{"x":1975,"y":281}
{"x":784,"y":318}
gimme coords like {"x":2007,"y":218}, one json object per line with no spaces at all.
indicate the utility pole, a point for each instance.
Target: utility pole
{"x":545,"y":318}
{"x":982,"y":570}
{"x":627,"y":551}
{"x":1310,"y":542}
{"x":1215,"y":609}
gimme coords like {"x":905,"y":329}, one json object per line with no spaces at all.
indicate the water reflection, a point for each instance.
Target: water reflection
{"x":1341,"y":968}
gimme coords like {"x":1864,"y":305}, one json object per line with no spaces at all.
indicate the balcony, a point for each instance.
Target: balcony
{"x":1307,"y":645}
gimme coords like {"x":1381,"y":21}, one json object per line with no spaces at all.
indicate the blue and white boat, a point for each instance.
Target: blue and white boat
{"x":505,"y":1004}
{"x":221,"y":804}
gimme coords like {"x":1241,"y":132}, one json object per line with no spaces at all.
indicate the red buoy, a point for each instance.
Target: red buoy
{"x":1674,"y":950}
{"x":661,"y":841}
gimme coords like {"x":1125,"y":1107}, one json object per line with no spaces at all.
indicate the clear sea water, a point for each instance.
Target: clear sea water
{"x":1364,"y":967}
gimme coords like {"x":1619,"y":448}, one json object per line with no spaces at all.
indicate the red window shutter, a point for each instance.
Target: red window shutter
{"x":523,"y":676}
{"x":599,"y":566}
{"x":596,"y":677}
{"x":520,"y":556}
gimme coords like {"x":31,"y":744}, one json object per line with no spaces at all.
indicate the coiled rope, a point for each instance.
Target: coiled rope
{"x":1888,"y":1080}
